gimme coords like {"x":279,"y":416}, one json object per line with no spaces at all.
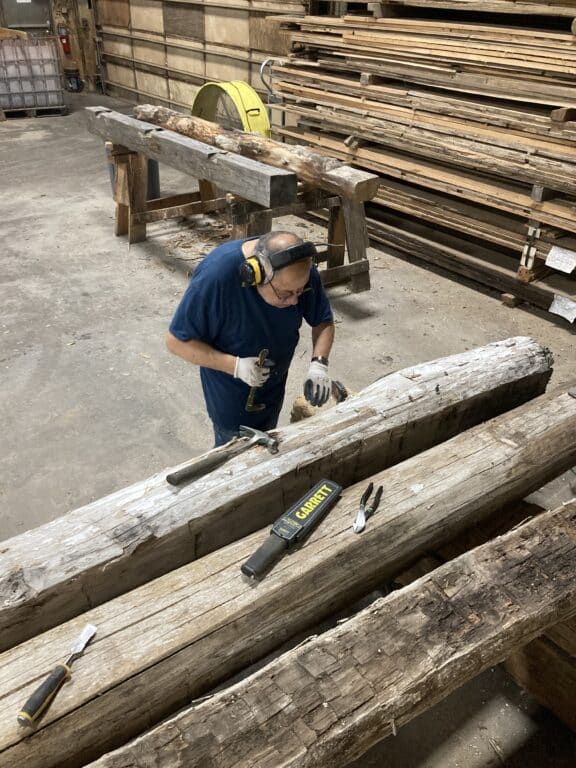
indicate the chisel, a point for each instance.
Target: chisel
{"x":44,"y":695}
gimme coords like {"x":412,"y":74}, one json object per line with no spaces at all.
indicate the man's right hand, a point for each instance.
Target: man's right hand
{"x":248,"y":370}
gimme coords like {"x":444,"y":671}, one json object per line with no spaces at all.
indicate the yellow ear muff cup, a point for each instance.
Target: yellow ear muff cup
{"x":251,"y":272}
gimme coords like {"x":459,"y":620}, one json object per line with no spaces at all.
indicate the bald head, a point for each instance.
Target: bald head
{"x":281,"y":251}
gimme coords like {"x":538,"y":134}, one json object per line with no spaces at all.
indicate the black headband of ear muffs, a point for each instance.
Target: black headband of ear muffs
{"x":305,"y":250}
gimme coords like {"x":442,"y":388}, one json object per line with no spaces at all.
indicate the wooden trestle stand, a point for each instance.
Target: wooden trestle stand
{"x":256,"y":191}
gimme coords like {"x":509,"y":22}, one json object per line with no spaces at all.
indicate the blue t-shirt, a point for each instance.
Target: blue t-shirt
{"x":217,"y":310}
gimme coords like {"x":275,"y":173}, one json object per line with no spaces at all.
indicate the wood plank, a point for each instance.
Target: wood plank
{"x":113,"y":12}
{"x":503,"y":195}
{"x":549,"y":674}
{"x":316,"y":169}
{"x":487,"y":267}
{"x":357,"y":272}
{"x":241,"y":175}
{"x":56,"y":571}
{"x":150,"y":656}
{"x":184,"y":20}
{"x":333,"y":697}
{"x":473,"y":151}
{"x":525,"y":118}
{"x":137,"y":181}
{"x":183,"y":210}
{"x":488,"y":83}
{"x":538,"y":7}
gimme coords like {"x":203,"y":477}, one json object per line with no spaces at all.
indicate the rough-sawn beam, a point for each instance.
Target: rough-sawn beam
{"x":174,"y":638}
{"x":56,"y":571}
{"x":312,"y":167}
{"x":252,"y":180}
{"x":328,"y":701}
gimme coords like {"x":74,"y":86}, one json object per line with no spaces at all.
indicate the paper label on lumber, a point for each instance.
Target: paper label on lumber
{"x":564,"y":307}
{"x":561,"y":259}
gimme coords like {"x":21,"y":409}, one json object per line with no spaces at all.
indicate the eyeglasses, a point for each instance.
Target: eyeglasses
{"x":287,"y":295}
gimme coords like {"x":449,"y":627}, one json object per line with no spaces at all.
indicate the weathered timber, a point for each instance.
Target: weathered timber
{"x":547,"y":666}
{"x":461,"y":144}
{"x":309,"y":166}
{"x":289,"y":77}
{"x":52,"y":573}
{"x":176,"y":637}
{"x":478,"y":263}
{"x":502,"y":6}
{"x":549,"y":673}
{"x":329,"y":700}
{"x":243,"y":176}
{"x":506,"y":196}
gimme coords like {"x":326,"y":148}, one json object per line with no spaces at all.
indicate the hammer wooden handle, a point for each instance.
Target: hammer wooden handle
{"x":207,"y":464}
{"x":197,"y":469}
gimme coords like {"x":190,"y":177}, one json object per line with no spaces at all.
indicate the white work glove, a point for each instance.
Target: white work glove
{"x":318,"y":385}
{"x":248,"y":370}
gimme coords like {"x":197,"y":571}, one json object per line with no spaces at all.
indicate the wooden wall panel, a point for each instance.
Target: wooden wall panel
{"x":113,"y":12}
{"x":227,"y":26}
{"x":224,"y":40}
{"x":266,"y":35}
{"x":191,"y":61}
{"x":118,"y":46}
{"x":151,"y":53}
{"x":181,"y":93}
{"x":184,"y":20}
{"x":255,"y":79}
{"x":153,"y":85}
{"x":121,"y":75}
{"x":147,"y":15}
{"x":226,"y":68}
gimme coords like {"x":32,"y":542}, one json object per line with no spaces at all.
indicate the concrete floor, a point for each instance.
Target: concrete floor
{"x":91,"y":401}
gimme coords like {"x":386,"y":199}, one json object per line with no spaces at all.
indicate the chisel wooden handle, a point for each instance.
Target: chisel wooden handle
{"x":43,"y":696}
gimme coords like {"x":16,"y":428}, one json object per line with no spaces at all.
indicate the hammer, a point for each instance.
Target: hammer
{"x":212,"y":460}
{"x":250,"y":405}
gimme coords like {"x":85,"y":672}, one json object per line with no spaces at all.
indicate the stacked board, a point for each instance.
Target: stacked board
{"x":469,"y":120}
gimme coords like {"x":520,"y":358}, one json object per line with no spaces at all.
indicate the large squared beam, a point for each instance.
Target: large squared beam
{"x":243,"y":176}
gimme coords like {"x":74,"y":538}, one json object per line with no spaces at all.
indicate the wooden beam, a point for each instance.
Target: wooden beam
{"x":309,"y":166}
{"x":185,"y":209}
{"x":330,"y":699}
{"x":178,"y":636}
{"x":475,"y":262}
{"x":241,"y":175}
{"x":58,"y":570}
{"x":137,"y":181}
{"x":538,"y":7}
{"x":549,"y":674}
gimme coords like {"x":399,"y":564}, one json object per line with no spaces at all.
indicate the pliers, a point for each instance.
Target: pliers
{"x":365,"y":510}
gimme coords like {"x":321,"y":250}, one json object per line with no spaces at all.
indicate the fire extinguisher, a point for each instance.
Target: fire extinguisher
{"x":65,"y":40}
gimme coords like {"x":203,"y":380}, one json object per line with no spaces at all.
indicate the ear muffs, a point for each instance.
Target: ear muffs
{"x":305,"y":250}
{"x":252,"y":271}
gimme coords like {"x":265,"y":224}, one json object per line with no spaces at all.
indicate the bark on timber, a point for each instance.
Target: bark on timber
{"x":309,"y":166}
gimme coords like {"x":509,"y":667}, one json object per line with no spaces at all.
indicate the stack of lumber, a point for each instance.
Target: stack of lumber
{"x":178,"y":633}
{"x":468,"y":120}
{"x":164,"y":50}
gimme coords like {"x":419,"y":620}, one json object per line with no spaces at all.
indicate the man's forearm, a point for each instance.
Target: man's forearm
{"x":322,"y":339}
{"x":199,"y":353}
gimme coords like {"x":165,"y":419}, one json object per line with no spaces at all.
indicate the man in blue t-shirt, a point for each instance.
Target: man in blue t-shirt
{"x":247,"y":296}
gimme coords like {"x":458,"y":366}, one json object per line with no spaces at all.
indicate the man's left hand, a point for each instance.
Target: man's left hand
{"x":318,"y":384}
